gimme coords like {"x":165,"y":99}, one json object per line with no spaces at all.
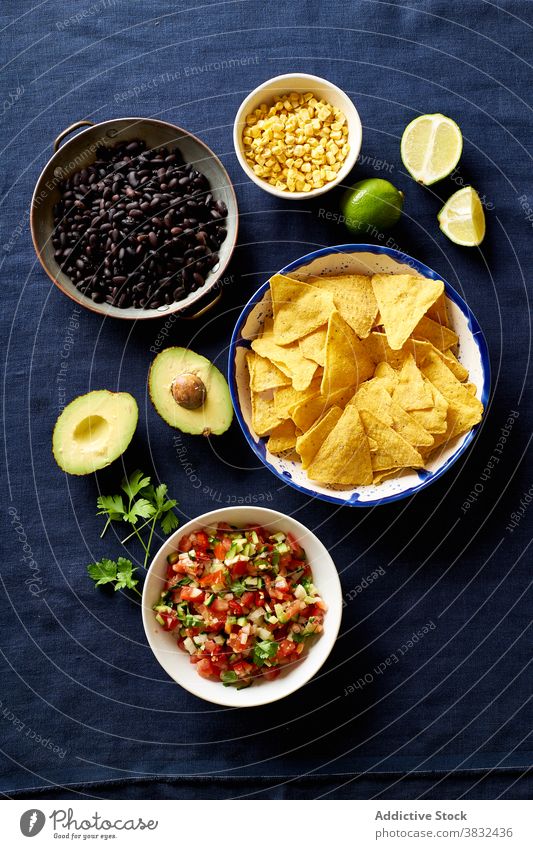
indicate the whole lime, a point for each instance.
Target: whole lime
{"x":371,"y":204}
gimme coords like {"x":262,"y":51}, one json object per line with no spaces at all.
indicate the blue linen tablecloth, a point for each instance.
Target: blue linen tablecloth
{"x":85,"y":709}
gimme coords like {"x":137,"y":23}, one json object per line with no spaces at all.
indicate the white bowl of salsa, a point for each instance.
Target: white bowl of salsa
{"x":274,"y":608}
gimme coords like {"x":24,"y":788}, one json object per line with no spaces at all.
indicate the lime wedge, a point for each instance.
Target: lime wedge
{"x":431,"y":147}
{"x":462,"y":218}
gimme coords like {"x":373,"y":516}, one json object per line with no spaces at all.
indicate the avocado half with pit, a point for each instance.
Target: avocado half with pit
{"x":93,"y":430}
{"x":189,"y":392}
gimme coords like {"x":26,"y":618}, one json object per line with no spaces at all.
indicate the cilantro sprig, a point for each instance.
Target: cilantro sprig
{"x":142,"y":505}
{"x":119,"y":574}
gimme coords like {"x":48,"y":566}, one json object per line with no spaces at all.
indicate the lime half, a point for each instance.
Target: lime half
{"x":462,"y":218}
{"x":431,"y":147}
{"x":371,"y":204}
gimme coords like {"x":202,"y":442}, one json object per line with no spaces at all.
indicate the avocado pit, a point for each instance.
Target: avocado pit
{"x":189,"y":391}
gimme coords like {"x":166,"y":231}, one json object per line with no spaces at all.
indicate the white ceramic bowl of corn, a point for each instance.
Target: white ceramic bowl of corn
{"x":332,"y":165}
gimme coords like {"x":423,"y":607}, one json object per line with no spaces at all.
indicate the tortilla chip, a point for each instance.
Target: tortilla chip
{"x":470,"y":387}
{"x":347,"y":362}
{"x":438,"y":311}
{"x":412,"y":392}
{"x":344,"y":457}
{"x":435,"y":418}
{"x":298,"y":308}
{"x":388,"y":375}
{"x":354,"y":299}
{"x":464,"y":410}
{"x":288,"y":359}
{"x":379,"y":350}
{"x":408,"y":427}
{"x":393,"y":450}
{"x":313,"y":346}
{"x":374,"y":398}
{"x":458,"y":369}
{"x":282,"y":438}
{"x":308,"y":444}
{"x":287,"y":397}
{"x":308,"y":411}
{"x":439,"y":335}
{"x":403,"y":299}
{"x":264,"y":418}
{"x":264,"y":375}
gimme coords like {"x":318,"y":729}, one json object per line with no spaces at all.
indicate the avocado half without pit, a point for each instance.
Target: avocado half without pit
{"x":189,"y":392}
{"x":93,"y":430}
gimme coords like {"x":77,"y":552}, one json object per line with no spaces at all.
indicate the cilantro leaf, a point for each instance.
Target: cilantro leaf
{"x":103,"y":572}
{"x":140,"y":509}
{"x":264,"y":650}
{"x":169,"y":521}
{"x":229,"y":677}
{"x":133,"y":484}
{"x":125,"y":572}
{"x":108,"y":572}
{"x":160,"y":494}
{"x":112,"y":505}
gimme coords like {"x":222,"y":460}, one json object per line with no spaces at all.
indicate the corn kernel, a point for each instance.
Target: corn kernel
{"x":298,"y":143}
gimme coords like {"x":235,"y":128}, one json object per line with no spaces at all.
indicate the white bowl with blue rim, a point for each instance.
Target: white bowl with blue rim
{"x":357,"y":259}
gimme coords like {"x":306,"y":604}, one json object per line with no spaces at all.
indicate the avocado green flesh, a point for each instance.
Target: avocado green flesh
{"x":93,"y":430}
{"x":214,"y":416}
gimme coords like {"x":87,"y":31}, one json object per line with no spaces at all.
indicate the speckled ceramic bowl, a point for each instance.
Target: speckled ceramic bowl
{"x":357,"y":259}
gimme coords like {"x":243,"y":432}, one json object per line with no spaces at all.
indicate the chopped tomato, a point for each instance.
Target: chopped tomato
{"x":212,"y":578}
{"x":286,"y":647}
{"x":192,"y":594}
{"x":179,"y":567}
{"x":271,"y":673}
{"x":185,"y":543}
{"x":221,"y":548}
{"x":239,"y":568}
{"x":205,"y":668}
{"x":247,"y":599}
{"x":296,"y":548}
{"x":201,"y":540}
{"x":235,"y":608}
{"x":243,"y":669}
{"x":170,"y":621}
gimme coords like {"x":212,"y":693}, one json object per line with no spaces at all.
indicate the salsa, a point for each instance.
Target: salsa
{"x":241,"y":601}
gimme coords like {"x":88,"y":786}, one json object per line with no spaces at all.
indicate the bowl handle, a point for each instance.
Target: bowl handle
{"x":75,"y":126}
{"x":203,"y":310}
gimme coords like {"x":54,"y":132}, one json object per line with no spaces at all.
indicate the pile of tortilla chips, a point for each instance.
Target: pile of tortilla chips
{"x":356,"y":376}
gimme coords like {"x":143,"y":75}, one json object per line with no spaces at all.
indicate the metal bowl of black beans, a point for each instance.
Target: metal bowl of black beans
{"x":135,"y":218}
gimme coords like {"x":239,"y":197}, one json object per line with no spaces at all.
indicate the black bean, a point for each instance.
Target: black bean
{"x":114,"y":254}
